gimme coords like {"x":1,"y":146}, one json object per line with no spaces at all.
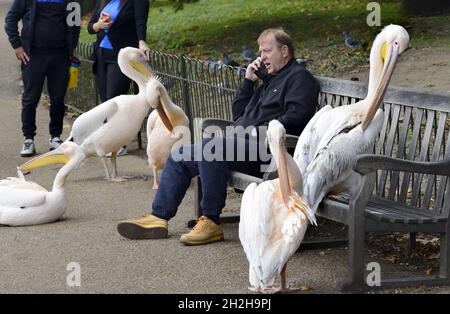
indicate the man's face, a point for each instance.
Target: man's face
{"x":273,"y":56}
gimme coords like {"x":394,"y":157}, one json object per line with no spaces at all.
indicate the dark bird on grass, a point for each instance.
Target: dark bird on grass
{"x":248,"y":54}
{"x":350,"y":42}
{"x":213,"y":64}
{"x":228,"y":61}
{"x":241,"y":70}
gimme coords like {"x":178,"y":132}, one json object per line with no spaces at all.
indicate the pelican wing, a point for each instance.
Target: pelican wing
{"x":255,"y":228}
{"x":309,"y":139}
{"x":18,"y":183}
{"x":333,"y":162}
{"x":20,"y":197}
{"x":90,"y":121}
{"x":262,"y":232}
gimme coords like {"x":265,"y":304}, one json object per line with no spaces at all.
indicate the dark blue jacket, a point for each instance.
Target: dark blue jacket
{"x":290,"y":96}
{"x":25,"y":10}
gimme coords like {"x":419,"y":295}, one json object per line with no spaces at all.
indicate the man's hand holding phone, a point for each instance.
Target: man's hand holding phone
{"x":255,"y":70}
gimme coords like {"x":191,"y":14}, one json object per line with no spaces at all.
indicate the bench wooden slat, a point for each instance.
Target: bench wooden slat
{"x":416,"y":194}
{"x":407,"y":210}
{"x":388,"y":146}
{"x":430,"y":178}
{"x":412,"y":149}
{"x":395,"y":182}
{"x":379,"y":143}
{"x":439,"y":202}
{"x":329,"y":99}
{"x":344,"y":101}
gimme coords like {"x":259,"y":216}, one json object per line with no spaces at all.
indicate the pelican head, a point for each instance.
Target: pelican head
{"x":388,"y":45}
{"x":132,"y":63}
{"x":67,"y":152}
{"x":154,"y":91}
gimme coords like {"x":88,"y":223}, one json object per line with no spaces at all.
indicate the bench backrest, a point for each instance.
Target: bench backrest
{"x":416,"y":127}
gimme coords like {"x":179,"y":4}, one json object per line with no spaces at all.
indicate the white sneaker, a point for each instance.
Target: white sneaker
{"x":55,"y":142}
{"x":28,"y":149}
{"x":121,"y":152}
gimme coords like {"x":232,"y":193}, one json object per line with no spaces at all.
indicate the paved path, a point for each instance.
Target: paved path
{"x":34,"y":259}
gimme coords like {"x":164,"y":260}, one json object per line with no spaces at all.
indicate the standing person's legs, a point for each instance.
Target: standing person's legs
{"x":118,"y":83}
{"x":33,"y":75}
{"x":57,"y":80}
{"x":101,"y":76}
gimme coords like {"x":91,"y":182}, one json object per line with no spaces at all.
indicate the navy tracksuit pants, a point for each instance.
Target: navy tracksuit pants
{"x":213,"y":161}
{"x":54,"y":67}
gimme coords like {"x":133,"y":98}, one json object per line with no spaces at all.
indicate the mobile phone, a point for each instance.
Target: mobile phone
{"x":262,"y":71}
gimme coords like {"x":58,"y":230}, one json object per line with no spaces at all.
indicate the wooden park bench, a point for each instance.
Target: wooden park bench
{"x":406,"y":181}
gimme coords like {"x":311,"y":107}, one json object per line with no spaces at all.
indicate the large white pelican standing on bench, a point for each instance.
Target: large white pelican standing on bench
{"x":274,"y":218}
{"x":330,"y":143}
{"x":27,"y":203}
{"x":162,"y":139}
{"x":114,"y":123}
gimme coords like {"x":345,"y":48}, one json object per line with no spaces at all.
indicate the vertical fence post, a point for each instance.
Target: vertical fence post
{"x":186,"y":95}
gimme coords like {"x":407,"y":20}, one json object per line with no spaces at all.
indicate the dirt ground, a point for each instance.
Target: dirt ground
{"x":427,"y":69}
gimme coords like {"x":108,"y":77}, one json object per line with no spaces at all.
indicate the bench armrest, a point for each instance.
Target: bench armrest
{"x":370,"y":163}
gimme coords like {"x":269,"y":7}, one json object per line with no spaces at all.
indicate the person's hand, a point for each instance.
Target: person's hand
{"x":144,"y":48}
{"x":104,"y":22}
{"x":251,"y":68}
{"x":22,"y":55}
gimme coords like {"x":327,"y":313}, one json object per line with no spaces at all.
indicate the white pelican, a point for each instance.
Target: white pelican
{"x":274,"y":218}
{"x":114,"y":123}
{"x":161,"y":139}
{"x":330,"y":143}
{"x":27,"y":203}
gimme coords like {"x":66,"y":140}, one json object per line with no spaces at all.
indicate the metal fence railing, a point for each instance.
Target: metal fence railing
{"x":200,"y":88}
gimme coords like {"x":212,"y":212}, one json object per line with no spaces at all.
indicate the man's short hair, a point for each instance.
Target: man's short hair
{"x":281,"y":37}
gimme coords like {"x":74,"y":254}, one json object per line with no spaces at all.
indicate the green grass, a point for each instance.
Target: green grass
{"x":208,"y":27}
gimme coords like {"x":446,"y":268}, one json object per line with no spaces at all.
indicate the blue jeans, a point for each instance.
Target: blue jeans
{"x":214,"y":174}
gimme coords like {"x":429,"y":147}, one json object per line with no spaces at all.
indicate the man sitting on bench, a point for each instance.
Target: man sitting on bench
{"x":288,"y":93}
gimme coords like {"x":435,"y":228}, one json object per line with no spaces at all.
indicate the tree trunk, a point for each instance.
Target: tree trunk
{"x":426,"y":8}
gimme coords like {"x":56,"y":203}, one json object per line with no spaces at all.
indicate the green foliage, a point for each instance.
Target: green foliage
{"x":208,"y":27}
